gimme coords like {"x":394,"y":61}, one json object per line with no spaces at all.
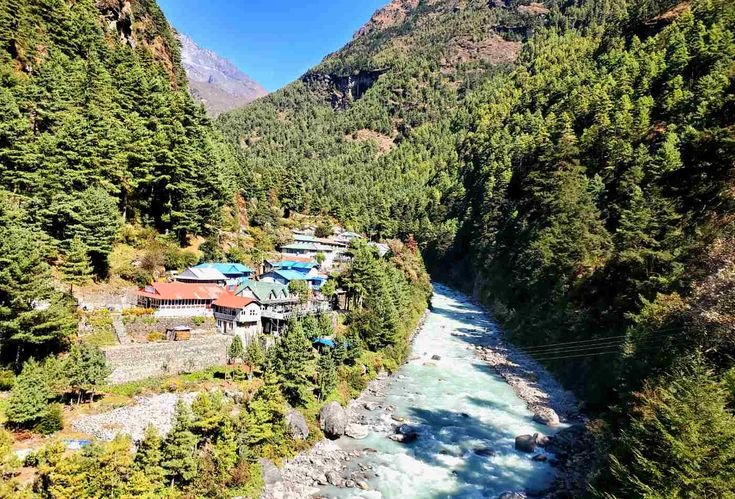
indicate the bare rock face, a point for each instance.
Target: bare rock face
{"x":297,"y":426}
{"x":333,"y":420}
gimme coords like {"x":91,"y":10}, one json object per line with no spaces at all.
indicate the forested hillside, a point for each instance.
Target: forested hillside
{"x":97,"y":125}
{"x":583,"y":190}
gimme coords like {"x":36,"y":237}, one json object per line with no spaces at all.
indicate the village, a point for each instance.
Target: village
{"x":186,"y":320}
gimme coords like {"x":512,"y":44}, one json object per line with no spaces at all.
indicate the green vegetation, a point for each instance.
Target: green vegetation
{"x":584,"y":191}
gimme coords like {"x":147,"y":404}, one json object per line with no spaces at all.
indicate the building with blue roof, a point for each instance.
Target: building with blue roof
{"x":236,"y":273}
{"x":314,"y":279}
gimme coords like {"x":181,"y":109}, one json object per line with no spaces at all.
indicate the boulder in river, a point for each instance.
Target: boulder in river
{"x":297,"y":426}
{"x":370,"y":406}
{"x":542,"y":440}
{"x":546,"y":416}
{"x":333,"y":478}
{"x":356,"y":431}
{"x":333,"y":420}
{"x":526,"y":443}
{"x":404,"y":438}
{"x":436,"y":357}
{"x":483,"y":451}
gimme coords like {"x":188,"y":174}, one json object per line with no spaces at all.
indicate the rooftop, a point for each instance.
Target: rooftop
{"x":202,"y":274}
{"x":231,"y":301}
{"x":226,"y":268}
{"x":264,"y":290}
{"x":181,"y":291}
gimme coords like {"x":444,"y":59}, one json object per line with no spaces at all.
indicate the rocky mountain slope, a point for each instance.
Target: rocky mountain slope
{"x":216,"y":81}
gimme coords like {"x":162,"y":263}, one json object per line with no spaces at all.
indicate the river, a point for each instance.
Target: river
{"x":467,"y":418}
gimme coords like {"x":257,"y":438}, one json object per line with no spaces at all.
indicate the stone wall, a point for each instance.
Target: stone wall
{"x":142,"y":325}
{"x":144,"y":360}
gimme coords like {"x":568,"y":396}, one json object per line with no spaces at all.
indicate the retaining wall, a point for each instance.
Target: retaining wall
{"x":144,"y":360}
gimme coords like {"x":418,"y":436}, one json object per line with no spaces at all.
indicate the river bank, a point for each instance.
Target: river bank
{"x":444,"y":425}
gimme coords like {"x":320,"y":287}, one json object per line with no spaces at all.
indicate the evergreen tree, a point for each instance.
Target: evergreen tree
{"x":254,"y":356}
{"x":179,"y":461}
{"x":30,"y":396}
{"x":265,"y":418}
{"x":292,"y":360}
{"x":148,"y":456}
{"x":76,"y":267}
{"x":33,"y":315}
{"x":326,"y":374}
{"x":235,"y":352}
{"x":680,"y":441}
{"x":86,"y":369}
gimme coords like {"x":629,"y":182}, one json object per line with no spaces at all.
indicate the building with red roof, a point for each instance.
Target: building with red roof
{"x":179,"y":299}
{"x":238,"y":315}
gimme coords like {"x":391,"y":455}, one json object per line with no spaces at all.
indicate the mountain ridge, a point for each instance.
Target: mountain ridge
{"x":216,"y":81}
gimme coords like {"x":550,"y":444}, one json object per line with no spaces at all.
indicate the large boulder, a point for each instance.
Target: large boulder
{"x":297,"y":426}
{"x":526,"y":443}
{"x":333,"y":420}
{"x":546,"y":416}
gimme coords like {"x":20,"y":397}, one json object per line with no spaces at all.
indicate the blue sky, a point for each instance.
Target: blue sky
{"x":274,"y":41}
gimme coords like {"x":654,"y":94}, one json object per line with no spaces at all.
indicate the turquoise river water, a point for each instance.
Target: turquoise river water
{"x":466,"y":415}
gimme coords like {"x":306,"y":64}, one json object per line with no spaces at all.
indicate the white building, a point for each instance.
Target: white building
{"x":238,"y":316}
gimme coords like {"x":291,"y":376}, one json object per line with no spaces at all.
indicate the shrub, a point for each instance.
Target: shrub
{"x":156,"y":336}
{"x":7,"y":379}
{"x":197,"y":321}
{"x":177,"y":259}
{"x":51,"y":420}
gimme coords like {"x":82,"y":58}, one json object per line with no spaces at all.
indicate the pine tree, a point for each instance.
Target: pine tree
{"x":179,"y":461}
{"x":30,"y":395}
{"x":254,"y":356}
{"x":148,"y":457}
{"x":33,"y":315}
{"x":292,"y":357}
{"x":681,"y":440}
{"x":86,"y":369}
{"x":76,"y":267}
{"x":265,"y":423}
{"x":326,"y":374}
{"x":235,"y":352}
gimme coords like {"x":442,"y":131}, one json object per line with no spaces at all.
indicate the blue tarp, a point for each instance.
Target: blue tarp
{"x":326,"y":342}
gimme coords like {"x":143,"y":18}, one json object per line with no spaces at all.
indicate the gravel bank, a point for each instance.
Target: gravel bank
{"x":156,"y":410}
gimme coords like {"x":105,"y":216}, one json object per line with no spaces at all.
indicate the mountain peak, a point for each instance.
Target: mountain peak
{"x":216,"y":81}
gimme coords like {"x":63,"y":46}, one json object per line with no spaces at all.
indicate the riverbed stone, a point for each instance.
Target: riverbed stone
{"x":271,"y":473}
{"x":436,"y":357}
{"x":546,"y":416}
{"x":356,"y":431}
{"x":484,"y":451}
{"x":526,"y":443}
{"x":333,"y":420}
{"x":297,"y":426}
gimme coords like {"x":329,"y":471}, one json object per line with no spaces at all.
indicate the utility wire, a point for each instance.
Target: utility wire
{"x":594,"y":354}
{"x":602,"y":339}
{"x":598,"y":346}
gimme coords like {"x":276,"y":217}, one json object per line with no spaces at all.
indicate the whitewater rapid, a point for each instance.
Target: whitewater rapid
{"x":467,"y":418}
